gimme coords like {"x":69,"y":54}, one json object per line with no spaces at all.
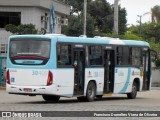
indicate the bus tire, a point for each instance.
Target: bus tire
{"x":133,"y":93}
{"x":91,"y":92}
{"x":51,"y":98}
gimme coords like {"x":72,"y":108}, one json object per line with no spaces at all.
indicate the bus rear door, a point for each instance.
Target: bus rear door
{"x":109,"y":71}
{"x":146,"y":70}
{"x":79,"y":68}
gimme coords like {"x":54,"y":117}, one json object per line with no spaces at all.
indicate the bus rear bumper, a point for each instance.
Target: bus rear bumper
{"x":31,"y":90}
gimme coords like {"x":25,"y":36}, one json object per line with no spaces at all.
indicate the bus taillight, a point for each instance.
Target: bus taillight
{"x":8,"y":77}
{"x":50,"y":79}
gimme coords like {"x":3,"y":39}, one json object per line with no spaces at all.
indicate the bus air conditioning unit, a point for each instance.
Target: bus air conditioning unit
{"x":58,"y":20}
{"x":44,"y":18}
{"x":64,"y":21}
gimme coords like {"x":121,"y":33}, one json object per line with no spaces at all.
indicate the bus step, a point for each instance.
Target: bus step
{"x":107,"y":94}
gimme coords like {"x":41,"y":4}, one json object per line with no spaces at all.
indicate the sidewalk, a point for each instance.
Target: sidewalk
{"x":155,"y":88}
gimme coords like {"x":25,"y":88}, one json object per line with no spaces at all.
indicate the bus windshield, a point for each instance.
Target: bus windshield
{"x":34,"y":49}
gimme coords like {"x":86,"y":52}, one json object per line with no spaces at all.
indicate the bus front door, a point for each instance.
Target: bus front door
{"x":108,"y":71}
{"x":79,"y":68}
{"x":146,"y":70}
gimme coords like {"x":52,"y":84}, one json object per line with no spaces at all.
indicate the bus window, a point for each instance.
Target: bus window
{"x":136,"y":54}
{"x":123,"y":55}
{"x":95,"y":55}
{"x":125,"y":58}
{"x":119,"y":55}
{"x":29,"y":51}
{"x":63,"y":55}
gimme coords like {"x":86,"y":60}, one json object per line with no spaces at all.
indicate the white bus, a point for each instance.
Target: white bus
{"x":86,"y":68}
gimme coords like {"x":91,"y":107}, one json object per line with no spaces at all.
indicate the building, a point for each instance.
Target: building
{"x":36,"y":12}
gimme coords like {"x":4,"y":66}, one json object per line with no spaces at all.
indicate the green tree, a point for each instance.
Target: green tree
{"x":130,"y":36}
{"x":75,"y":26}
{"x":122,"y":25}
{"x":101,"y":11}
{"x":156,"y":13}
{"x":100,"y":15}
{"x":134,"y":29}
{"x":21,"y":29}
{"x":77,"y":5}
{"x":11,"y":28}
{"x":152,"y":30}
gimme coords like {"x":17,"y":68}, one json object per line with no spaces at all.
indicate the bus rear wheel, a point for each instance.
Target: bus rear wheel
{"x":91,"y":92}
{"x":133,"y":93}
{"x":51,"y":98}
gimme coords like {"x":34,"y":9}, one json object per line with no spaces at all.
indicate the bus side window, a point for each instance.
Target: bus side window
{"x":63,"y":54}
{"x":119,"y":55}
{"x":95,"y":55}
{"x":123,"y":55}
{"x":136,"y":56}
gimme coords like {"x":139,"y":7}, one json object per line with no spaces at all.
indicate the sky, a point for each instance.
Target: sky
{"x":137,"y":7}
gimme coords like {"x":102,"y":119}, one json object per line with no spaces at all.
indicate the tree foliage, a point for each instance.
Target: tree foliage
{"x":77,"y":5}
{"x":21,"y":29}
{"x":75,"y":26}
{"x":130,"y":36}
{"x":156,"y":13}
{"x":122,"y":25}
{"x":99,"y":18}
{"x":11,"y":28}
{"x":102,"y":12}
{"x":151,"y":30}
{"x":134,"y":29}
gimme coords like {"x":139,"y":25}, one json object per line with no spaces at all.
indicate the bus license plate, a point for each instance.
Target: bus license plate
{"x":27,"y":90}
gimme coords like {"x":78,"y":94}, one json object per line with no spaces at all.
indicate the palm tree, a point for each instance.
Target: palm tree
{"x":156,"y":13}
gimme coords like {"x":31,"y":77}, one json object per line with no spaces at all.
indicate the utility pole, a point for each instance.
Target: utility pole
{"x":116,"y":11}
{"x":140,"y":23}
{"x":85,"y":16}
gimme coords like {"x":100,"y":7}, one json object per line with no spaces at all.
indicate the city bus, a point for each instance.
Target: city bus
{"x":86,"y":68}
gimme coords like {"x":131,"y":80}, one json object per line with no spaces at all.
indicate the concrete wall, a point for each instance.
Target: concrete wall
{"x":58,"y":6}
{"x":30,"y":15}
{"x":155,"y":77}
{"x":4,"y":36}
{"x":31,"y":12}
{"x":33,"y":15}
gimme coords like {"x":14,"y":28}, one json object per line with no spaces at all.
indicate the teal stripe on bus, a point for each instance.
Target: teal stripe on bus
{"x":127,"y":82}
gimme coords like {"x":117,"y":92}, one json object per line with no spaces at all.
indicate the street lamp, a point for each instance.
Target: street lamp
{"x":140,"y":20}
{"x":140,"y":23}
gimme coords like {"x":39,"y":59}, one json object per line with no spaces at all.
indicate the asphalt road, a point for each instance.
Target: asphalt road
{"x":145,"y":101}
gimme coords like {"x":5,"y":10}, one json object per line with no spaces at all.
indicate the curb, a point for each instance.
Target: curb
{"x":2,"y":87}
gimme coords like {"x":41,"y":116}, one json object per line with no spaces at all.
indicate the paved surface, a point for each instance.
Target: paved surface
{"x":146,"y":101}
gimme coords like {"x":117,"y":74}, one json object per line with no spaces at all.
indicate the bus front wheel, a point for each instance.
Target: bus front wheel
{"x":133,"y":93}
{"x":51,"y":98}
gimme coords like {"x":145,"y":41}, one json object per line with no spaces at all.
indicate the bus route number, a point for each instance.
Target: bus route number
{"x":39,"y":72}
